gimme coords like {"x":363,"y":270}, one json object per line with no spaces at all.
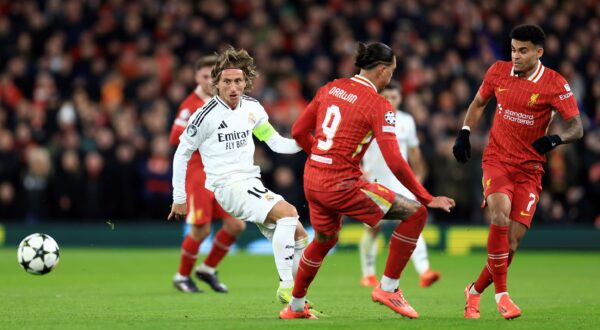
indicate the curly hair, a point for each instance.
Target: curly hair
{"x":529,"y":32}
{"x":231,"y":58}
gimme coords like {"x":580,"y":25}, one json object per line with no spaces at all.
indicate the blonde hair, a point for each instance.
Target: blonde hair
{"x":231,"y":58}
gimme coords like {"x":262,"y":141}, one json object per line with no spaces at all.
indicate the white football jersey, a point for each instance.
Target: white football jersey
{"x":224,"y":138}
{"x":373,"y":163}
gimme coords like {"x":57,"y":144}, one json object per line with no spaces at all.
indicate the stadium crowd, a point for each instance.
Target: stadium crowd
{"x":89,"y":89}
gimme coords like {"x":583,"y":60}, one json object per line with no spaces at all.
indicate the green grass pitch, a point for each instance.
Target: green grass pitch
{"x":131,"y":288}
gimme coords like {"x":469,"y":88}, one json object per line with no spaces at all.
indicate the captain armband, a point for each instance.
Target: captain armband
{"x":264,"y":131}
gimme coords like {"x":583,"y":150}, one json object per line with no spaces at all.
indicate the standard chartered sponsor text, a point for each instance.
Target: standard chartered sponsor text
{"x":519,"y":117}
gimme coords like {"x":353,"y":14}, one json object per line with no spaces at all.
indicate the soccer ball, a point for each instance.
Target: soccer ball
{"x":38,"y":254}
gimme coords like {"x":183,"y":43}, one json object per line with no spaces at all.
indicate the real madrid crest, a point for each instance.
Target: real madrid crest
{"x":251,"y":118}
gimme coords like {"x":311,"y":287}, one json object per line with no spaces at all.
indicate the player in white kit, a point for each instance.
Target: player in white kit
{"x":375,"y":169}
{"x":222,"y":131}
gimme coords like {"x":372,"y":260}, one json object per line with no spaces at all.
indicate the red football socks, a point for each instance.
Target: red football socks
{"x":189,"y":254}
{"x":485,"y":278}
{"x":403,"y":242}
{"x":309,"y":265}
{"x":497,"y":262}
{"x":221,"y":244}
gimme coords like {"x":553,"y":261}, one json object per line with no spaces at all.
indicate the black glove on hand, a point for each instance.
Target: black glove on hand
{"x":462,"y":146}
{"x":546,"y":143}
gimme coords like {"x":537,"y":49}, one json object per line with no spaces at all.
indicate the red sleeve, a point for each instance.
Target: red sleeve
{"x":563,"y":100}
{"x":176,"y":131}
{"x":486,"y":90}
{"x":383,"y":126}
{"x":179,"y":124}
{"x":305,"y":125}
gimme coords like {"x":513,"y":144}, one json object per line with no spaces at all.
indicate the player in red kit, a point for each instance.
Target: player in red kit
{"x":202,"y":206}
{"x":527,"y":95}
{"x":346,"y":114}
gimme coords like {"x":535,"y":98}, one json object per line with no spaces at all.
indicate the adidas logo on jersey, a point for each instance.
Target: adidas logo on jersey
{"x":223,"y":125}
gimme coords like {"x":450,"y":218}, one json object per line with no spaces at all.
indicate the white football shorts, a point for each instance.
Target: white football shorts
{"x":248,"y":200}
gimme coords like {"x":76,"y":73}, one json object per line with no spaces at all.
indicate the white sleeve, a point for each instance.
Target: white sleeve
{"x":189,"y":141}
{"x":413,"y":140}
{"x":264,"y":131}
{"x":282,"y":145}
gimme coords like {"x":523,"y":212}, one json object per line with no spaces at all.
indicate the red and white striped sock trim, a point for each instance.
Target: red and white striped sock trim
{"x":189,"y":255}
{"x":310,"y":263}
{"x":220,"y":245}
{"x":498,"y":256}
{"x":404,"y":239}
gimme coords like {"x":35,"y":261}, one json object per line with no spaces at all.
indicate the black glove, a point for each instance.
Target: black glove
{"x":462,"y":146}
{"x":546,"y":143}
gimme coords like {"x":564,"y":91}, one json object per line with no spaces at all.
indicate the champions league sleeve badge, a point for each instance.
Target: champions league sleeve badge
{"x":192,"y":131}
{"x":390,"y":118}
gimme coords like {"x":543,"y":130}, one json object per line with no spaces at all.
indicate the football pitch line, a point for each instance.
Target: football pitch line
{"x":123,"y":288}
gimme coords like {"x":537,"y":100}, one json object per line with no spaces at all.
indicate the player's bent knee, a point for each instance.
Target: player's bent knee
{"x":234,"y":226}
{"x":326,"y":240}
{"x":498,"y":218}
{"x":282,"y":210}
{"x":199,"y":232}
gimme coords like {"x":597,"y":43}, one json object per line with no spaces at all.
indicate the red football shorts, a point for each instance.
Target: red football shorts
{"x":365,"y":201}
{"x":201,"y":203}
{"x":522,"y":188}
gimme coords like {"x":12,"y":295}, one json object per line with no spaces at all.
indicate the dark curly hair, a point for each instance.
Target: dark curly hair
{"x":529,"y":32}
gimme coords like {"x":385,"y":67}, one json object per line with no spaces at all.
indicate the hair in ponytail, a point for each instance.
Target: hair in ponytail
{"x":373,"y":54}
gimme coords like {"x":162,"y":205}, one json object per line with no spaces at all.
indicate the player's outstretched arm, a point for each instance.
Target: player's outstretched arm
{"x":462,"y":146}
{"x":304,"y":125}
{"x":394,"y":160}
{"x":265,"y":132}
{"x":573,"y":133}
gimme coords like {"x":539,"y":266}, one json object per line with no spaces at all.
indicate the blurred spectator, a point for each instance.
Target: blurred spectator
{"x":102,"y":80}
{"x":36,"y":185}
{"x":156,"y":172}
{"x":68,"y":187}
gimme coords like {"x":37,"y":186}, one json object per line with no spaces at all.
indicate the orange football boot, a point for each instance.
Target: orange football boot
{"x":507,"y":308}
{"x":395,"y":301}
{"x":288,"y":313}
{"x":369,"y":281}
{"x":472,"y":305}
{"x":428,"y":278}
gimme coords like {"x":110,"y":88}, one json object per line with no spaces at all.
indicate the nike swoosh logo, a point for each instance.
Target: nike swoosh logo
{"x":500,"y":90}
{"x":525,"y":214}
{"x":498,"y":265}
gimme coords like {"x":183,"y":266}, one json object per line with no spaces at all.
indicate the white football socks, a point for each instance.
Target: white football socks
{"x":419,"y":256}
{"x":283,"y":250}
{"x":368,"y":253}
{"x":389,"y":284}
{"x":297,"y":304}
{"x":299,"y":247}
{"x":499,"y":295}
{"x":206,"y":269}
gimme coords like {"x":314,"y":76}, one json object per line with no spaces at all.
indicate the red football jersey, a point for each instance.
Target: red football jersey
{"x":189,"y":105}
{"x":346,"y":114}
{"x":523,"y":112}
